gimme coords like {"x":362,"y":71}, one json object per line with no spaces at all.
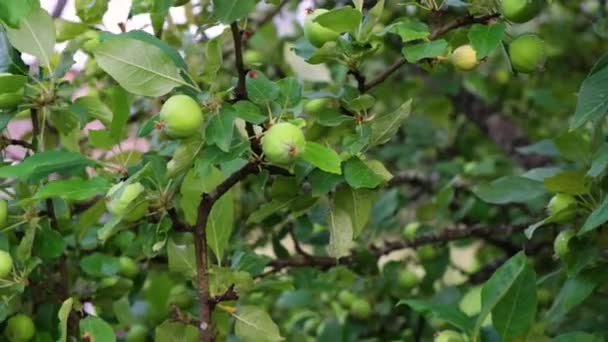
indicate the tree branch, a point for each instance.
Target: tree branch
{"x":240,"y":92}
{"x":268,"y":17}
{"x":16,"y":142}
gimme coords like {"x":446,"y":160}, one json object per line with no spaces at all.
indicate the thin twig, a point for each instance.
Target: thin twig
{"x":268,"y":17}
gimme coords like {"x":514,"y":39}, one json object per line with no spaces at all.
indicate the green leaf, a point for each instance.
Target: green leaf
{"x":357,"y":204}
{"x":574,"y":146}
{"x":358,"y":175}
{"x":215,"y":57}
{"x":35,"y":35}
{"x":343,"y":19}
{"x":447,"y":313}
{"x":24,"y":250}
{"x":410,"y":29}
{"x":12,"y":83}
{"x":514,"y":314}
{"x":228,"y":11}
{"x":330,"y":117}
{"x":340,"y":232}
{"x":72,"y":189}
{"x":592,"y":100}
{"x":49,"y":244}
{"x":577,"y":336}
{"x":430,"y":49}
{"x":486,"y":38}
{"x":141,"y":68}
{"x":119,"y":103}
{"x":181,"y":258}
{"x":221,"y":219}
{"x":221,"y":128}
{"x":62,"y":315}
{"x":268,"y":209}
{"x":569,"y":182}
{"x":574,"y":291}
{"x":43,"y":164}
{"x":598,"y":217}
{"x":253,"y":324}
{"x":176,"y":331}
{"x":323,"y":182}
{"x":11,"y":12}
{"x":249,"y":112}
{"x":184,"y":155}
{"x":97,"y":329}
{"x":100,"y":265}
{"x":148,"y":126}
{"x":496,"y":289}
{"x":290,"y":92}
{"x":385,"y":126}
{"x":96,"y":108}
{"x":261,"y":90}
{"x":509,"y":189}
{"x":322,"y":157}
{"x":600,"y":162}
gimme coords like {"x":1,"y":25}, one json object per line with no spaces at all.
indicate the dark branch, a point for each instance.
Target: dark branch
{"x":268,"y":17}
{"x":177,"y":224}
{"x":241,"y":89}
{"x":59,"y":7}
{"x":229,"y":295}
{"x":16,"y":142}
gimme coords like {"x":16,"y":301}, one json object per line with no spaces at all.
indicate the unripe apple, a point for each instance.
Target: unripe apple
{"x":20,"y":328}
{"x":181,"y":296}
{"x":315,"y":105}
{"x":427,"y":253}
{"x":448,"y":336}
{"x":137,"y":333}
{"x":520,"y":11}
{"x":283,"y":142}
{"x":562,"y":207}
{"x":346,"y":298}
{"x":408,"y":279}
{"x":6,"y":264}
{"x":317,"y":34}
{"x":181,"y":116}
{"x":562,"y":241}
{"x":91,"y":11}
{"x":464,"y":58}
{"x":360,"y":308}
{"x":3,"y":212}
{"x":121,"y":197}
{"x":527,"y":53}
{"x":543,"y":296}
{"x":128,"y":267}
{"x":12,"y":90}
{"x":252,"y":57}
{"x":410,"y":230}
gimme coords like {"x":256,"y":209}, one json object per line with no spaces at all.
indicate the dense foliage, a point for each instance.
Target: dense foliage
{"x":372,"y":171}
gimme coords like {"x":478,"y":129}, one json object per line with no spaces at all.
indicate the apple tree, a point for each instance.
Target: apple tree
{"x":268,"y":170}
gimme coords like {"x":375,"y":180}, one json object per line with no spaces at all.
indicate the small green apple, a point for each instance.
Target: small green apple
{"x":520,"y":11}
{"x":562,"y":207}
{"x":408,"y":279}
{"x":3,"y":212}
{"x":410,"y":230}
{"x":282,"y":143}
{"x":137,"y":333}
{"x":527,"y":53}
{"x":315,"y":105}
{"x":253,"y":57}
{"x":448,"y":336}
{"x":562,"y":241}
{"x":464,"y":58}
{"x":91,"y":11}
{"x":543,"y":295}
{"x":317,"y":34}
{"x":427,"y":252}
{"x":360,"y":308}
{"x":6,"y":264}
{"x":128,"y":267}
{"x":181,"y":116}
{"x":346,"y":298}
{"x":20,"y":328}
{"x":181,"y":296}
{"x":120,"y":197}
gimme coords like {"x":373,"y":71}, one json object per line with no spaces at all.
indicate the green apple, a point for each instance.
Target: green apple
{"x":527,"y":53}
{"x":520,"y":11}
{"x":282,"y":143}
{"x":427,"y":252}
{"x":3,"y":212}
{"x":6,"y":264}
{"x":317,"y":34}
{"x":181,"y":116}
{"x":408,"y":279}
{"x":543,"y":295}
{"x":410,"y":230}
{"x":464,"y":58}
{"x":181,"y":296}
{"x":91,"y":11}
{"x":12,"y":89}
{"x":448,"y":336}
{"x":92,"y":41}
{"x":253,"y":57}
{"x":315,"y":105}
{"x":121,"y":197}
{"x":346,"y":298}
{"x":562,"y":241}
{"x":360,"y":308}
{"x":137,"y":333}
{"x":128,"y":267}
{"x":562,"y":207}
{"x":20,"y":328}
